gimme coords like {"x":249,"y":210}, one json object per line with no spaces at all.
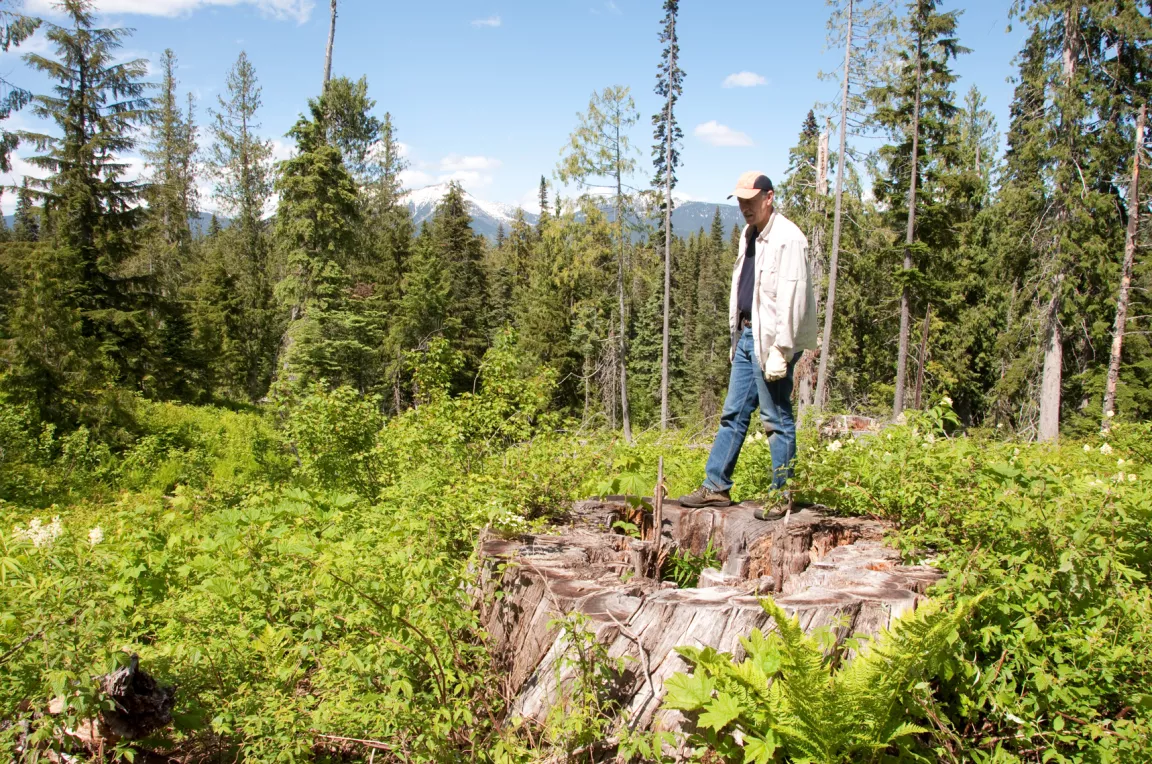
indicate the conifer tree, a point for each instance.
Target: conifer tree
{"x":171,"y":187}
{"x":599,"y":155}
{"x":710,"y":362}
{"x":240,"y":161}
{"x":352,"y":128}
{"x":542,"y":221}
{"x":97,"y":104}
{"x":387,"y":223}
{"x":669,"y":85}
{"x":915,"y":108}
{"x":801,"y":198}
{"x":316,"y":226}
{"x":26,"y":222}
{"x":460,"y":249}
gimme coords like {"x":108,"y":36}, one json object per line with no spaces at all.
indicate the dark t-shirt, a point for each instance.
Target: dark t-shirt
{"x":747,"y":275}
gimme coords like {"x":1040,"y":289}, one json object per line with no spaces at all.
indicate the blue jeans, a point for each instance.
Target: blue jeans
{"x":747,"y":390}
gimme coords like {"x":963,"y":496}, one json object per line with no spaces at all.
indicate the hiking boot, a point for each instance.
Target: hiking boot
{"x":706,"y":497}
{"x":771,"y":513}
{"x":776,"y":511}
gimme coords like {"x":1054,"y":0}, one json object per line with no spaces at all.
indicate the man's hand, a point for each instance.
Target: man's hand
{"x":777,"y":366}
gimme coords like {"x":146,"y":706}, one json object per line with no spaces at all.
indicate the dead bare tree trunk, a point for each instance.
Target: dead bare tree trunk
{"x":830,"y":303}
{"x":905,"y":308}
{"x":328,"y":52}
{"x":1052,"y":377}
{"x":1125,"y":274}
{"x":916,"y":401}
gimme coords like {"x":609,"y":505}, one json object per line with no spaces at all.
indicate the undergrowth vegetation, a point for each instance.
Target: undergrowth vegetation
{"x":302,"y":575}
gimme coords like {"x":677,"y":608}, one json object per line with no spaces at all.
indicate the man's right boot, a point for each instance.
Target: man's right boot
{"x":705,"y":497}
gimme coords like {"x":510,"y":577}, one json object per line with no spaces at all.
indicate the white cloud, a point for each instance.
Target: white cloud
{"x":416,"y":179}
{"x":296,"y":10}
{"x":491,"y":21}
{"x":529,"y":201}
{"x":282,"y":150}
{"x":454,"y":163}
{"x":721,"y":135}
{"x":744,"y":80}
{"x":467,"y":178}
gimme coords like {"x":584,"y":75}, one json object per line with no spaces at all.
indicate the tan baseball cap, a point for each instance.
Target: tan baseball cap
{"x":750,"y":184}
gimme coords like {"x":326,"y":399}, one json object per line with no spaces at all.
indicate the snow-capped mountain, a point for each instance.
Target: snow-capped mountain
{"x":687,"y":217}
{"x":486,"y":216}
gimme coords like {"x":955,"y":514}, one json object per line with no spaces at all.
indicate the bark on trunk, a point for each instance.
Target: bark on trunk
{"x":1049,"y":425}
{"x":1052,"y":377}
{"x":328,"y":52}
{"x":909,"y":236}
{"x":829,"y":571}
{"x":1125,"y":275}
{"x":830,"y":303}
{"x":923,"y":359}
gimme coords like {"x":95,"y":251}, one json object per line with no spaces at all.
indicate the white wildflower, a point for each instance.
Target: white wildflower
{"x":1087,"y":448}
{"x":1131,"y":478}
{"x":889,"y":436}
{"x":835,"y":445}
{"x":1110,"y":414}
{"x":38,"y":533}
{"x":95,"y":536}
{"x":1105,"y":449}
{"x":758,"y":436}
{"x":999,"y":425}
{"x":946,"y":401}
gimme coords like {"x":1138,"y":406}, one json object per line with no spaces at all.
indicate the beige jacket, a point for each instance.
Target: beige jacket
{"x":783,"y":304}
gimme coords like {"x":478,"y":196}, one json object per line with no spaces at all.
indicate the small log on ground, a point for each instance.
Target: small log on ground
{"x":828,"y":571}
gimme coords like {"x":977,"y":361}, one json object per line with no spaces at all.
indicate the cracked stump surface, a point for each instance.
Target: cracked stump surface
{"x":826,"y":570}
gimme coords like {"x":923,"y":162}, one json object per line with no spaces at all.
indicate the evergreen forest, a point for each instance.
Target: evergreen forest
{"x":257,"y":455}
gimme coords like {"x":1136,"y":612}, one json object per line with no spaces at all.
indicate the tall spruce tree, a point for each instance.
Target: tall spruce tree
{"x":461,"y":251}
{"x":97,"y":104}
{"x":316,"y":228}
{"x":240,"y":161}
{"x":915,"y":108}
{"x":171,"y":184}
{"x":542,"y":220}
{"x":666,"y":158}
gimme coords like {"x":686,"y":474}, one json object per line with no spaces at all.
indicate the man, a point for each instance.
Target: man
{"x":772,"y":318}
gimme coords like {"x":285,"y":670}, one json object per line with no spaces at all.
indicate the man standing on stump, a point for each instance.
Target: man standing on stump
{"x":772,"y":318}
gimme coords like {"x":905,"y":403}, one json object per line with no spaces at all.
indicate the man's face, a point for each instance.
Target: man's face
{"x":757,"y":209}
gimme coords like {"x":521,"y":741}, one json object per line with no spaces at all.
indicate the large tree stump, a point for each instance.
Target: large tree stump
{"x":829,"y":571}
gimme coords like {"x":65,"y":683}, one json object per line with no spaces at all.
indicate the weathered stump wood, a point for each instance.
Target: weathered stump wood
{"x":829,"y":571}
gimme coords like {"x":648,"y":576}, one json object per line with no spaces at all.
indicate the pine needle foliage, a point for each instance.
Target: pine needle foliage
{"x":790,"y":699}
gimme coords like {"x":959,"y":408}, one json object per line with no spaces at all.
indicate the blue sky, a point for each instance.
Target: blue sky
{"x":487,"y":91}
